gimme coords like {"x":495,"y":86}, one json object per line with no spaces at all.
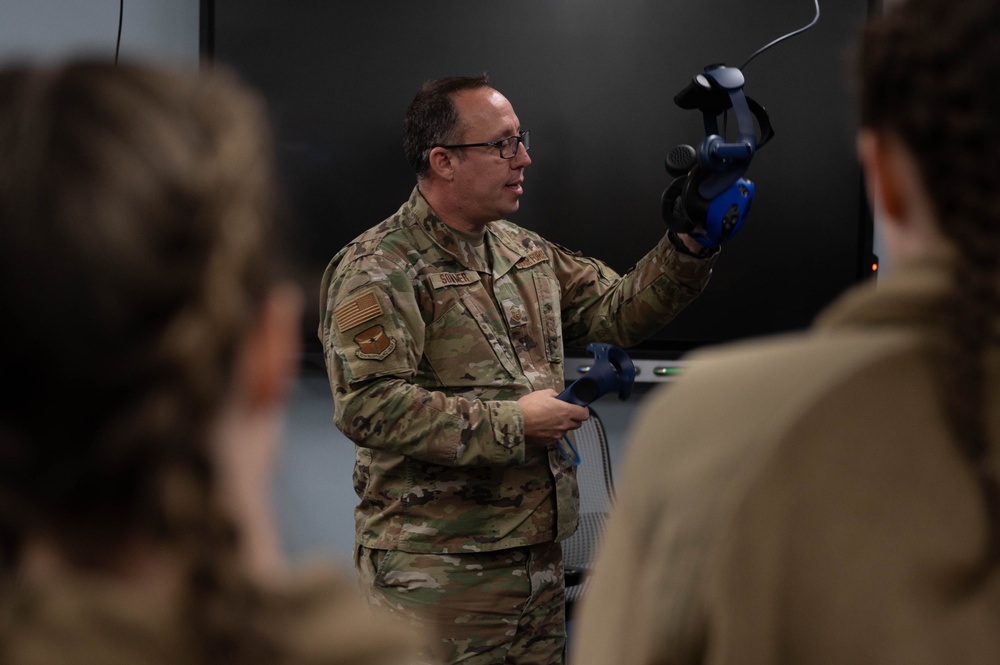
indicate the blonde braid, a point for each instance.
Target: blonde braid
{"x":140,"y":204}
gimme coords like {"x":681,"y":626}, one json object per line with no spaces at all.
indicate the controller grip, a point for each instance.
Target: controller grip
{"x":612,"y":370}
{"x":581,"y":392}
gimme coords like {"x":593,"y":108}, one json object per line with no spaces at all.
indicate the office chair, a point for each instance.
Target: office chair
{"x":597,"y":493}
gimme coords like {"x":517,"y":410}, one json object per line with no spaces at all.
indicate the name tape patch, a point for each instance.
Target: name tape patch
{"x":443,"y":279}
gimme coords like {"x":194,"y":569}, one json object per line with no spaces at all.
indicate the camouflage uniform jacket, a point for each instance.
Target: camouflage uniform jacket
{"x":428,"y":349}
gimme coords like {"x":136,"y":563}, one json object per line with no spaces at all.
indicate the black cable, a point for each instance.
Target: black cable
{"x":783,"y":38}
{"x":118,"y":42}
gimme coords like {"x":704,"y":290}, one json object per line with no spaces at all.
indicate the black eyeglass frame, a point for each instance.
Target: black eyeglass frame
{"x":521,"y":138}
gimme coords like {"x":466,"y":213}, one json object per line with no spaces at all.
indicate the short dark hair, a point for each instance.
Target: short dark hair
{"x":432,"y":117}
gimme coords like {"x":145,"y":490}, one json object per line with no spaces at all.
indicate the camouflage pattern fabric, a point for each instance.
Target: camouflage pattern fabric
{"x":478,"y":609}
{"x":428,"y":347}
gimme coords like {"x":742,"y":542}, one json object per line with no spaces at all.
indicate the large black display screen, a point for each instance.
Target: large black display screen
{"x":594,"y":81}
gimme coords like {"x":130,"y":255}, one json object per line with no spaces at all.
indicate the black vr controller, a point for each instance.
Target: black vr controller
{"x":709,"y":199}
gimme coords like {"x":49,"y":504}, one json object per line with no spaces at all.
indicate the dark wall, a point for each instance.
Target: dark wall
{"x":594,"y":82}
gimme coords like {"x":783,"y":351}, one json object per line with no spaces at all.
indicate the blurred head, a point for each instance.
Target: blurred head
{"x":929,"y":93}
{"x":137,"y":262}
{"x":928,"y":74}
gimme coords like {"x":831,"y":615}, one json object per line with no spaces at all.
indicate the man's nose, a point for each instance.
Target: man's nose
{"x":521,"y":158}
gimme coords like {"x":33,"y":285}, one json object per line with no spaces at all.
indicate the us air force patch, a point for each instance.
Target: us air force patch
{"x":374,"y":344}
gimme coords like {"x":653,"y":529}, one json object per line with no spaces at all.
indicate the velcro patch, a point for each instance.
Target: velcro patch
{"x":374,"y":344}
{"x":356,"y":311}
{"x":514,"y":311}
{"x":439,"y":280}
{"x":533,"y":258}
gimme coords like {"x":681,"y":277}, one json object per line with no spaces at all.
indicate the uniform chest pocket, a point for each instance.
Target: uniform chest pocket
{"x":550,"y":314}
{"x":464,"y":348}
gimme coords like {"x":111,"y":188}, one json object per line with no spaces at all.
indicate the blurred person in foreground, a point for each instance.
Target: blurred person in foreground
{"x":831,"y":497}
{"x":149,"y":340}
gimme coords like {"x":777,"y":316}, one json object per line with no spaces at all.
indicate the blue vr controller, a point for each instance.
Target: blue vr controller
{"x":612,"y":370}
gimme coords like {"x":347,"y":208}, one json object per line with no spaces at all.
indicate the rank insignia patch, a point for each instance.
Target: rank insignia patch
{"x":374,"y":344}
{"x":516,"y":314}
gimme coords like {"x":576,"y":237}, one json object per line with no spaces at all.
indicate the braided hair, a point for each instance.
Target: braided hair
{"x":137,"y":239}
{"x":929,"y":73}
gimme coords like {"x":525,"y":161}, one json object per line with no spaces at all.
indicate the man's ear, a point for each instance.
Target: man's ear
{"x":442,"y":162}
{"x":886,"y":191}
{"x":269,"y":356}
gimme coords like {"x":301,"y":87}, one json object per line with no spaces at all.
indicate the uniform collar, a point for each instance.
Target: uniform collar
{"x":446,"y":238}
{"x":507,"y":243}
{"x":911,"y":295}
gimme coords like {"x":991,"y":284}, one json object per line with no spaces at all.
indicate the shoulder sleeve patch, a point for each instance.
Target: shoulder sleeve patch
{"x":374,"y":343}
{"x":357,"y":310}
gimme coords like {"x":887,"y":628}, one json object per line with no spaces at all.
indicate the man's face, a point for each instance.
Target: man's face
{"x":487,"y":186}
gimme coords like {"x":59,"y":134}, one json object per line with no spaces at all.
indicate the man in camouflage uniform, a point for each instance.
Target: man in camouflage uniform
{"x":443,"y":329}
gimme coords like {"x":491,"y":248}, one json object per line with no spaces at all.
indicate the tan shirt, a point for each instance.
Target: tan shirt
{"x":317,"y":620}
{"x":800,"y":500}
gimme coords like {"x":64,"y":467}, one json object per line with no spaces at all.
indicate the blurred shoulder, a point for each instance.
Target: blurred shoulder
{"x":320,"y":618}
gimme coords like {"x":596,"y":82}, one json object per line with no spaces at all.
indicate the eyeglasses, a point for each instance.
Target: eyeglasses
{"x":507,"y":146}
